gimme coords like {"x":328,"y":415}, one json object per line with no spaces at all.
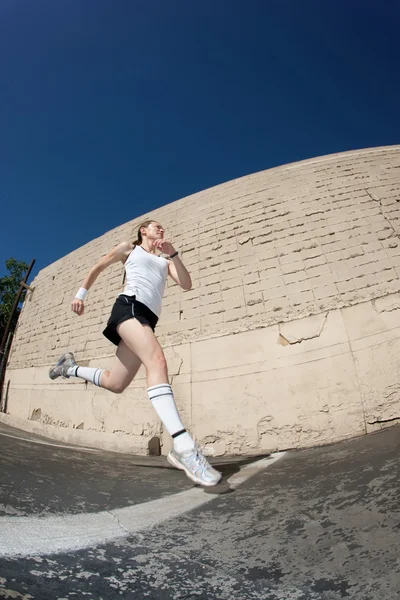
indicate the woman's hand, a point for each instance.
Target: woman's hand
{"x":78,"y":306}
{"x":164,"y":246}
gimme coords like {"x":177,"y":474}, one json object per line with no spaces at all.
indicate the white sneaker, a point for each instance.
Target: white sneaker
{"x":196,"y":466}
{"x":60,"y":369}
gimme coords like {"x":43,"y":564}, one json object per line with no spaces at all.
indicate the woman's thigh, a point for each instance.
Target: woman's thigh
{"x":142,"y":342}
{"x":124,"y":368}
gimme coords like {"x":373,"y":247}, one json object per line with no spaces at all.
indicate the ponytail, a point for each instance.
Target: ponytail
{"x":139,"y":233}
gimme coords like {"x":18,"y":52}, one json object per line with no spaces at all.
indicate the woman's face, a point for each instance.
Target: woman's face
{"x":154,"y":231}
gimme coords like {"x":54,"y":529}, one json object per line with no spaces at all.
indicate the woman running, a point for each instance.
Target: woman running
{"x":131,"y":328}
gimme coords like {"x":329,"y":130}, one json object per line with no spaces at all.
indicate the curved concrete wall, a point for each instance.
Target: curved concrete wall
{"x":289,"y":337}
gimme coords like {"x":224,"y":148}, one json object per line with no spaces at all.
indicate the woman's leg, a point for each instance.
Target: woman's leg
{"x":124,"y":369}
{"x":139,"y":345}
{"x":142,"y":342}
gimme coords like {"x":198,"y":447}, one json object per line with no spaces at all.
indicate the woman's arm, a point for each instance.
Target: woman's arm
{"x":119,"y":253}
{"x":176,"y":269}
{"x":179,"y":273}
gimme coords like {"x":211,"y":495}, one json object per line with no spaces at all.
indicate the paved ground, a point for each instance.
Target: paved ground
{"x":318,"y":524}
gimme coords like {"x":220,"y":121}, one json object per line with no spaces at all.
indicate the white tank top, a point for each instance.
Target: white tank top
{"x":146,"y":275}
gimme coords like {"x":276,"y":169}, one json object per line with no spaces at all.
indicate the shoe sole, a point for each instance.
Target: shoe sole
{"x":175,"y":463}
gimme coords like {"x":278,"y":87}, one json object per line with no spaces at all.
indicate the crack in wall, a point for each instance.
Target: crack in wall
{"x":297,"y":340}
{"x":378,"y":421}
{"x":376,"y":198}
{"x":378,"y":304}
{"x":178,"y":372}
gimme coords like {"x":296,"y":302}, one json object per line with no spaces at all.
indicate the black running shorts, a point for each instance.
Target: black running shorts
{"x":127,"y":307}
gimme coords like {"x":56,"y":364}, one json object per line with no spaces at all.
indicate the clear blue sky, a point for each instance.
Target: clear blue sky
{"x":111,"y":108}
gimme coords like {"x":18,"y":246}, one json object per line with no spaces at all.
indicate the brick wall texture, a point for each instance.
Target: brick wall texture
{"x":289,"y":337}
{"x":267,"y":248}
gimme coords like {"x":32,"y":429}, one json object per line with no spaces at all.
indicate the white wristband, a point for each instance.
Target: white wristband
{"x":82,"y":293}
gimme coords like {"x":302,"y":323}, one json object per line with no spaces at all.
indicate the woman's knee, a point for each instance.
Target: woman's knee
{"x":117,"y":388}
{"x":157,"y":363}
{"x":112,"y":385}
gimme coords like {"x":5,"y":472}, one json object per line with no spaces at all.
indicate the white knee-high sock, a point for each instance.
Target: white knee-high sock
{"x":90,"y":374}
{"x":162,"y":399}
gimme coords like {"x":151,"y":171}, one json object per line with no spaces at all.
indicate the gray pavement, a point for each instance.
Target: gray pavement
{"x":321,"y":523}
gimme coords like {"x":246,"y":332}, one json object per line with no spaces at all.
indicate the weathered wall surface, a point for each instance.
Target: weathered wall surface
{"x":288,"y":338}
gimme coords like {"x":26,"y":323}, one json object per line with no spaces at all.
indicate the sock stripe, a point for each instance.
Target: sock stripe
{"x":90,"y":374}
{"x":96,"y":377}
{"x":160,"y":395}
{"x":161,"y":385}
{"x":174,"y":435}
